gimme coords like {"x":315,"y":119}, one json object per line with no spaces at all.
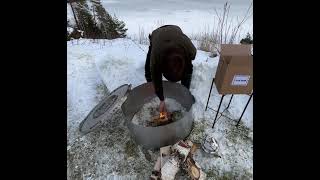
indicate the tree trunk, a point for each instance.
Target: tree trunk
{"x":75,"y":17}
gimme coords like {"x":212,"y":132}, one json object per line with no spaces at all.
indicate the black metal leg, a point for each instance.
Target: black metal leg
{"x":218,"y":111}
{"x":230,"y":101}
{"x":244,"y":110}
{"x":209,"y":94}
{"x":226,"y":107}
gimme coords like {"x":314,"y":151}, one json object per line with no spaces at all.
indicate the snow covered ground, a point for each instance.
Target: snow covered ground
{"x":95,"y":68}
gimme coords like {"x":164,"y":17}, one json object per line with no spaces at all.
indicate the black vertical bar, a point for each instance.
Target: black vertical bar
{"x":244,"y":110}
{"x":209,"y":94}
{"x":218,"y":111}
{"x":230,"y":101}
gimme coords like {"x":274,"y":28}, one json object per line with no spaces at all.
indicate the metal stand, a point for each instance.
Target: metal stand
{"x":215,"y":119}
{"x":218,"y":111}
{"x":209,"y":94}
{"x":244,"y":110}
{"x":230,"y":102}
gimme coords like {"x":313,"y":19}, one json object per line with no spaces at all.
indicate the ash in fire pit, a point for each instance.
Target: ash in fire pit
{"x":151,"y":109}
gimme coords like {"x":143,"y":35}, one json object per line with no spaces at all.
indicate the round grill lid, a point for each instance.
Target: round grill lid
{"x":103,"y":111}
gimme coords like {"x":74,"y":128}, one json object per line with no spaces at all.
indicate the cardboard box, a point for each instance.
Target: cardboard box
{"x":234,"y":74}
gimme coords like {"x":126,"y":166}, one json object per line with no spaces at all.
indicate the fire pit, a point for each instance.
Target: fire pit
{"x":156,"y":137}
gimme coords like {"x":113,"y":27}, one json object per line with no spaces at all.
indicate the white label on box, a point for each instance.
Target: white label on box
{"x":240,"y":80}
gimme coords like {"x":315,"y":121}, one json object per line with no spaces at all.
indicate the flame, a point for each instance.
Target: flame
{"x":163,"y":115}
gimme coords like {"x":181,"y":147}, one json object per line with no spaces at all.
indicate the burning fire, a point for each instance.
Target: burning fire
{"x":163,"y":115}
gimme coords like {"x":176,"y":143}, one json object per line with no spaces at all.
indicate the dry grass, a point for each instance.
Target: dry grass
{"x":225,"y":30}
{"x":141,"y":37}
{"x":159,"y":23}
{"x":206,"y":41}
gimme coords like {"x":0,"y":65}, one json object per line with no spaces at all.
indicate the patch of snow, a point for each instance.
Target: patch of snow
{"x":70,"y":16}
{"x":69,"y":29}
{"x":90,"y":7}
{"x":110,"y":2}
{"x":122,"y":63}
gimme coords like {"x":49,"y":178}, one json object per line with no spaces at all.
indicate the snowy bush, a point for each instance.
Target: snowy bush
{"x":247,"y":39}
